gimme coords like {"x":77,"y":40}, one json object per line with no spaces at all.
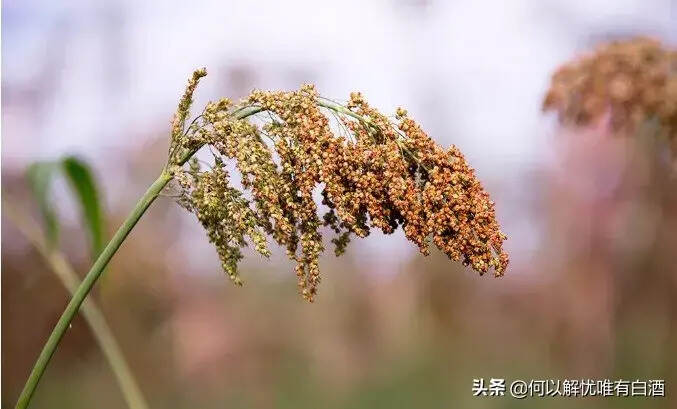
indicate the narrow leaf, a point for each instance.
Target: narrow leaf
{"x":86,"y":192}
{"x":40,"y":176}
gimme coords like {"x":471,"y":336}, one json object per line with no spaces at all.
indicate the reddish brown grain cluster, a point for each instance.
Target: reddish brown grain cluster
{"x":370,"y":171}
{"x":629,"y":82}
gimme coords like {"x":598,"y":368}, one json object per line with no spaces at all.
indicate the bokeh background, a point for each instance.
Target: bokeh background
{"x":591,"y":291}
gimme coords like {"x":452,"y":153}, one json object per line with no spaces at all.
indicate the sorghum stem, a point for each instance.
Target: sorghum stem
{"x":93,"y":315}
{"x":86,"y":286}
{"x":99,"y":265}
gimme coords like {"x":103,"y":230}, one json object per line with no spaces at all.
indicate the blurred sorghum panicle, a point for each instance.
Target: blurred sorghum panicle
{"x":373,"y":172}
{"x":629,"y":82}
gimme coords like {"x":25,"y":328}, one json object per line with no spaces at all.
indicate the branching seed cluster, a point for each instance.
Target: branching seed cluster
{"x":371,"y":171}
{"x":630,"y":82}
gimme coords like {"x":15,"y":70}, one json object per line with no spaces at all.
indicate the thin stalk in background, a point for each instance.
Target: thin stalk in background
{"x":92,"y":314}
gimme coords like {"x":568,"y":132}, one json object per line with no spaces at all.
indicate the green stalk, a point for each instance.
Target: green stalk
{"x":99,"y":265}
{"x":92,"y":314}
{"x":86,"y":286}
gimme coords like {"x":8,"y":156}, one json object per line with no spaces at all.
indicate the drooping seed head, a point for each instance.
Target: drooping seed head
{"x":372,"y":172}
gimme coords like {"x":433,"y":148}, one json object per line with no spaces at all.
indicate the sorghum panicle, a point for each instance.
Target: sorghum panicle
{"x":373,"y":173}
{"x":631,"y":81}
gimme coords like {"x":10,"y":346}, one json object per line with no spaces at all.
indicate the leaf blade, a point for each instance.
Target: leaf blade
{"x":82,"y":181}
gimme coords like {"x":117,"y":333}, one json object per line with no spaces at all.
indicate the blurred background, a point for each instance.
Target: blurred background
{"x":591,"y":291}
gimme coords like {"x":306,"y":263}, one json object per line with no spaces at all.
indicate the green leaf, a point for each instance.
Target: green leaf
{"x":86,"y":191}
{"x":40,"y":176}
